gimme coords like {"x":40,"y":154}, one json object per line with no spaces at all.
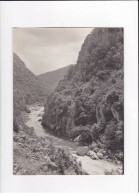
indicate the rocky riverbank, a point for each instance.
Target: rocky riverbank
{"x":99,"y":161}
{"x":34,"y":145}
{"x":35,"y":155}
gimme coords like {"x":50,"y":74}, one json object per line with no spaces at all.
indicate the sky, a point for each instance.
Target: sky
{"x":48,"y":49}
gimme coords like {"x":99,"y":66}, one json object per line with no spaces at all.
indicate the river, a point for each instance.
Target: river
{"x":92,"y":167}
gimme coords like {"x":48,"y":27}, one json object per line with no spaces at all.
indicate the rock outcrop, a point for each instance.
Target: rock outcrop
{"x":89,"y":100}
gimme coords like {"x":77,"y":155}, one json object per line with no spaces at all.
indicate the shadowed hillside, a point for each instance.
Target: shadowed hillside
{"x":27,"y":82}
{"x":27,"y":89}
{"x":52,"y":78}
{"x":34,"y":155}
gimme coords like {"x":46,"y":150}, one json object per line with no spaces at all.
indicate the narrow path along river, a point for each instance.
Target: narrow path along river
{"x":92,"y":167}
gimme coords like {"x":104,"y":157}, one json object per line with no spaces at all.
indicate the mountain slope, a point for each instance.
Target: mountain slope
{"x":26,"y":82}
{"x":53,"y":77}
{"x":88,"y":103}
{"x":27,"y":89}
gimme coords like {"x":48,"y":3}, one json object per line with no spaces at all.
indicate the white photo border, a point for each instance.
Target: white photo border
{"x":71,"y":14}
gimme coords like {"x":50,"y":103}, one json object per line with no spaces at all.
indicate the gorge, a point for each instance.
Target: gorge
{"x":74,"y":125}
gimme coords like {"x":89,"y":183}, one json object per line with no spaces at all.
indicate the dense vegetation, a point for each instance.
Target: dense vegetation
{"x":35,"y":155}
{"x":27,"y":89}
{"x":32,"y":154}
{"x":87,"y":105}
{"x":52,"y":78}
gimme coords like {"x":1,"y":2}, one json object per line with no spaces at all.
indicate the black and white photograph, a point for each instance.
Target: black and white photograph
{"x":68,"y":101}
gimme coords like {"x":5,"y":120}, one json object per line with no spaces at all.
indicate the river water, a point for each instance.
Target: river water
{"x":92,"y":167}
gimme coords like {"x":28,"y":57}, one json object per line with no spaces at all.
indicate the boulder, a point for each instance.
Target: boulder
{"x":93,"y":145}
{"x":92,"y":155}
{"x":96,"y":150}
{"x":77,"y":139}
{"x":84,"y":138}
{"x":81,"y":151}
{"x":103,"y":146}
{"x":100,"y":155}
{"x":104,"y":152}
{"x":28,"y":110}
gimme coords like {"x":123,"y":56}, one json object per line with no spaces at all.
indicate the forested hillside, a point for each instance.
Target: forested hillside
{"x":33,"y":154}
{"x":87,"y":105}
{"x":27,"y":89}
{"x":52,"y":78}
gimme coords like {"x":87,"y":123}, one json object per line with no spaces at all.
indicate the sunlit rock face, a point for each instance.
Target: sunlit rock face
{"x":89,"y":100}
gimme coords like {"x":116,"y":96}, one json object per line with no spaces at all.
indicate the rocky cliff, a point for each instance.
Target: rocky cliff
{"x":87,"y":105}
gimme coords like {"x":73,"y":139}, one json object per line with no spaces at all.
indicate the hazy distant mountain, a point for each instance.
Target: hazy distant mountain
{"x":52,"y":78}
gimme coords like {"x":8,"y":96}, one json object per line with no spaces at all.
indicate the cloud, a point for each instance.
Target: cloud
{"x":47,"y":49}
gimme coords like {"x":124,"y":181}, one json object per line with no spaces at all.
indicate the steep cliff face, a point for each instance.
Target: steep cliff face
{"x":88,"y":102}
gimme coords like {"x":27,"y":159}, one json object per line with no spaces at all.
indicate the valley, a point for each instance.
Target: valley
{"x":70,"y":121}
